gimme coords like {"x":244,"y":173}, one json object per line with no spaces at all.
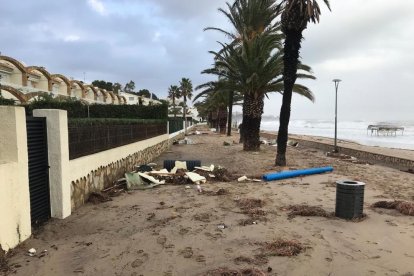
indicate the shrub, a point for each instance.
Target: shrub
{"x":78,"y":109}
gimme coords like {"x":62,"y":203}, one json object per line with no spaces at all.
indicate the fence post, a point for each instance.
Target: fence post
{"x":168,"y":127}
{"x":58,"y":154}
{"x":14,"y":178}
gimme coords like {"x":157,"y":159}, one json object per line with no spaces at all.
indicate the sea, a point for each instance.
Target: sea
{"x":355,"y":131}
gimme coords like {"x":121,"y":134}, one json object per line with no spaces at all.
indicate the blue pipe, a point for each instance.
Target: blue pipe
{"x":291,"y":174}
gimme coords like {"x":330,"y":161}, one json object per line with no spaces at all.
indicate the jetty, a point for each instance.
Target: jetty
{"x":389,"y":130}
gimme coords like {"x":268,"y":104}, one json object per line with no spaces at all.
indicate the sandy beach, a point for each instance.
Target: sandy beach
{"x":171,"y":230}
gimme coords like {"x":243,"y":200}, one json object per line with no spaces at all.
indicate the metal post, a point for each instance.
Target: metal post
{"x":336,"y":81}
{"x":0,"y":86}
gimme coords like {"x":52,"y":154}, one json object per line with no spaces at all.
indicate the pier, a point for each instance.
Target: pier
{"x":388,"y":130}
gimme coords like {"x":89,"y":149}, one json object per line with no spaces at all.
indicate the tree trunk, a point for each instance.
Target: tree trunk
{"x":290,"y":62}
{"x":175,"y":111}
{"x":252,"y":117}
{"x":230,"y":115}
{"x":185,"y":115}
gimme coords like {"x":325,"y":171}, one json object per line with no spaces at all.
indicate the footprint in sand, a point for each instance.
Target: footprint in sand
{"x":201,"y":259}
{"x":186,"y":252}
{"x":162,"y":240}
{"x":142,"y":258}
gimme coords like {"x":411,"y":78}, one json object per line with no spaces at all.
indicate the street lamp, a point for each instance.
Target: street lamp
{"x":336,"y":81}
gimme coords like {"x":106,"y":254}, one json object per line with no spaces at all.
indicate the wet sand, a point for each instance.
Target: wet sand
{"x":172,"y":230}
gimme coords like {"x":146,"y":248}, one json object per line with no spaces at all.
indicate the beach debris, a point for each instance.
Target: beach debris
{"x":251,"y":207}
{"x":221,"y":226}
{"x":224,"y":271}
{"x":257,"y":260}
{"x":250,"y":203}
{"x":243,"y":178}
{"x":151,"y":179}
{"x":213,"y":129}
{"x":31,"y":252}
{"x":136,"y":182}
{"x":307,"y":211}
{"x":143,"y":168}
{"x":225,"y":143}
{"x":404,"y":207}
{"x":281,"y":247}
{"x":292,"y":143}
{"x":197,"y":132}
{"x":296,"y":173}
{"x":97,"y":197}
{"x":196,"y":178}
{"x":186,"y":141}
{"x":206,"y":168}
{"x":188,"y":187}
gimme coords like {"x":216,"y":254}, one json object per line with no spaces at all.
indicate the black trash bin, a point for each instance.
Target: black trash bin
{"x":170,"y":164}
{"x":349,"y":199}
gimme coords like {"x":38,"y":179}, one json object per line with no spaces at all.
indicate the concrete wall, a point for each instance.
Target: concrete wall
{"x":58,"y":155}
{"x":15,"y":225}
{"x":98,"y":171}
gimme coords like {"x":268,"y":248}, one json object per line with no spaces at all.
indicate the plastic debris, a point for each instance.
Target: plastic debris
{"x":242,"y":179}
{"x":196,"y":178}
{"x":151,"y":179}
{"x":31,"y":252}
{"x":221,"y":226}
{"x":135,"y":181}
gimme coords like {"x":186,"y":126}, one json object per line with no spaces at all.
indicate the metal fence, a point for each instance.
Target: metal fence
{"x":175,"y":125}
{"x":89,"y":139}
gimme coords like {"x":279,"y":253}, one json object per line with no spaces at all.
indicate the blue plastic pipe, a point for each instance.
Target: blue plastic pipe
{"x":291,"y":174}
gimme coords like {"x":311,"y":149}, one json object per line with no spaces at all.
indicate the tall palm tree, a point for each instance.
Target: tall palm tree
{"x":295,"y":17}
{"x":186,"y":91}
{"x":254,"y":71}
{"x":174,"y":93}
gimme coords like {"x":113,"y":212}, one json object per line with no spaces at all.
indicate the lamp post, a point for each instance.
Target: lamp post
{"x":336,"y":81}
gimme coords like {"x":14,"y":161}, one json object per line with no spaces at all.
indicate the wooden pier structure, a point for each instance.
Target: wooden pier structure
{"x":388,"y":130}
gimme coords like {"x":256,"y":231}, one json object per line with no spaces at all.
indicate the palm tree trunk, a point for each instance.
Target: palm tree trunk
{"x":252,"y":117}
{"x":175,"y":111}
{"x":290,"y":61}
{"x":185,"y":115}
{"x":230,"y":115}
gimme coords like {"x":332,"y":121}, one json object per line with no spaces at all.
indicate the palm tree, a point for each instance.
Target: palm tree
{"x":254,"y":71}
{"x":174,"y":93}
{"x":186,"y":91}
{"x":295,"y":17}
{"x":225,"y":87}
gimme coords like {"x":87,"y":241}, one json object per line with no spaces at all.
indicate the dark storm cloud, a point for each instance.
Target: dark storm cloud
{"x":156,"y":42}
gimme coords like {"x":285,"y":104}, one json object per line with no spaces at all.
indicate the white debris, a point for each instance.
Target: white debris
{"x":181,"y":165}
{"x":242,"y":179}
{"x":188,"y":187}
{"x":31,"y":252}
{"x":195,"y":177}
{"x":197,"y":132}
{"x":163,"y":171}
{"x":151,"y":179}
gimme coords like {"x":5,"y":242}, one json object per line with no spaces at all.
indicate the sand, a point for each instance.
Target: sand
{"x":171,"y":230}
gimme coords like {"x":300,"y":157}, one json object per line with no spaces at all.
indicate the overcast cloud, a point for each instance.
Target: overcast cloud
{"x":368,"y":44}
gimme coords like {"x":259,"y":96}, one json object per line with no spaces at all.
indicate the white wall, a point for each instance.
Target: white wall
{"x":58,"y":155}
{"x":81,"y":167}
{"x":15,"y":225}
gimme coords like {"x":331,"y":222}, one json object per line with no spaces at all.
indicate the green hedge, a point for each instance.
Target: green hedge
{"x":77,"y":109}
{"x":4,"y":101}
{"x":111,"y":121}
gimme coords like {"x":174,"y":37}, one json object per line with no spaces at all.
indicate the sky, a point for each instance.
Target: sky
{"x":367,"y":44}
